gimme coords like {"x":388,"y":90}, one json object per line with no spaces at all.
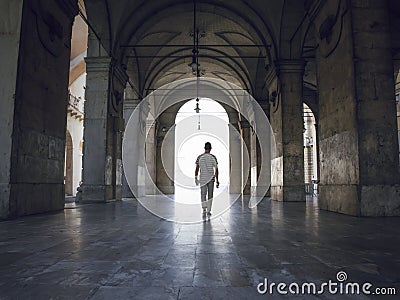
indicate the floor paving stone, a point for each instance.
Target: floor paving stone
{"x":120,"y":251}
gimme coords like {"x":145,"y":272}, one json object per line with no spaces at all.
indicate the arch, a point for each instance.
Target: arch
{"x":242,"y":75}
{"x":247,"y":14}
{"x":192,"y":130}
{"x":69,"y":165}
{"x":311,"y":159}
{"x":251,"y":25}
{"x":160,"y":107}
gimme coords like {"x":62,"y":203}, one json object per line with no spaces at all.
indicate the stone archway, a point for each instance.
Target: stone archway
{"x":310,"y":149}
{"x":191,"y":133}
{"x":244,"y":115}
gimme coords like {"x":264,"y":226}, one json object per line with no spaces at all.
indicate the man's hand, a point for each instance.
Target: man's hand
{"x":196,"y":181}
{"x":217,"y":184}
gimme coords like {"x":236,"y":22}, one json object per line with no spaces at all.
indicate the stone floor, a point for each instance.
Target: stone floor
{"x":120,"y":251}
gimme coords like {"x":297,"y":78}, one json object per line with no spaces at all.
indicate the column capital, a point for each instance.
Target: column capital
{"x":98,"y":64}
{"x":131,"y":103}
{"x":290,"y":66}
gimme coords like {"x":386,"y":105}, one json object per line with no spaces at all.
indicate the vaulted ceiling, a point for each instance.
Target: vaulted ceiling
{"x":239,"y":39}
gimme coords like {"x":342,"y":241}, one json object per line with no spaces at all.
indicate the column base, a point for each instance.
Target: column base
{"x":138,"y":191}
{"x":339,"y":198}
{"x":235,"y":188}
{"x":288,"y":193}
{"x":118,"y":192}
{"x":167,"y":189}
{"x":365,"y":201}
{"x":34,"y":198}
{"x":380,"y":200}
{"x":126,"y":191}
{"x":96,"y":193}
{"x":261,"y":191}
{"x":4,"y":200}
{"x":151,"y":190}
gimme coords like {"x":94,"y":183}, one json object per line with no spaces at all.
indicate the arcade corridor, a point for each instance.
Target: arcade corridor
{"x":89,"y":98}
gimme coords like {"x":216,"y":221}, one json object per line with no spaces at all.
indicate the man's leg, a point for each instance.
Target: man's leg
{"x":210,"y":187}
{"x":203,"y":192}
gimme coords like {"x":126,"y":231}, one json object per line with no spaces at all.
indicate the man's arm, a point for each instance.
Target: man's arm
{"x":216,"y":175}
{"x":216,"y":170}
{"x":196,"y":172}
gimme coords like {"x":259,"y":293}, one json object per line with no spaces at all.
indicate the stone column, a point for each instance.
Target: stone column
{"x":129,"y":107}
{"x":165,"y":141}
{"x":254,"y":166}
{"x":33,"y":106}
{"x":286,"y":115}
{"x":102,"y":164}
{"x":260,"y":185}
{"x":246,"y":133}
{"x":165,"y":166}
{"x":357,"y":128}
{"x":10,"y":33}
{"x":235,"y":180}
{"x":150,"y":157}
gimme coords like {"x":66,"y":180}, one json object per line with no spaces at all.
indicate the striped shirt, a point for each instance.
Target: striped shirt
{"x":208,"y":164}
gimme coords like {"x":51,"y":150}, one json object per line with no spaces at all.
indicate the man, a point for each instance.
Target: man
{"x":207,"y":164}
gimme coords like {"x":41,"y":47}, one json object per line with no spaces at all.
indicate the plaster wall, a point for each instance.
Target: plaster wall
{"x":77,"y":88}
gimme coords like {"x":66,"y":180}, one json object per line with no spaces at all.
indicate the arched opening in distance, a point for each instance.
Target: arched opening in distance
{"x":310,"y":151}
{"x":192,"y":131}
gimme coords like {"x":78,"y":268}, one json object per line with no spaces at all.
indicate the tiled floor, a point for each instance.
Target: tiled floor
{"x":120,"y":251}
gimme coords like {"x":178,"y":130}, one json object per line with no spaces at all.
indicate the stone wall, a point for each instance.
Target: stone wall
{"x":37,"y":162}
{"x":358,"y":144}
{"x":10,"y":26}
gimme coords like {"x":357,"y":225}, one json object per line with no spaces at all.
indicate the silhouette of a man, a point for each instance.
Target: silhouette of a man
{"x":207,"y":164}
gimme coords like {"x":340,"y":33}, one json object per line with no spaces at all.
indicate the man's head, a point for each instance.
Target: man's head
{"x":207,"y":147}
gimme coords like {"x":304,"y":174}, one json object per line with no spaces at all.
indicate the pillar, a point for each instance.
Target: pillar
{"x":10,"y":32}
{"x":165,"y":162}
{"x":130,"y":104}
{"x":35,"y":43}
{"x":246,"y":154}
{"x":357,"y":128}
{"x":261,"y":157}
{"x":165,"y":139}
{"x":235,"y":179}
{"x":150,"y":157}
{"x":103,"y":126}
{"x":286,"y":115}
